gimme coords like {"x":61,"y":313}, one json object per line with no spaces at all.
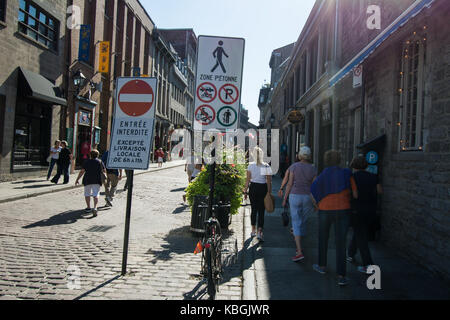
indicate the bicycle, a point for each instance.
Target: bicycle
{"x":211,"y":265}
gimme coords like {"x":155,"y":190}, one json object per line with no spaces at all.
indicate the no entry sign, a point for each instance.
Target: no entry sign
{"x":134,"y":117}
{"x":136,"y":98}
{"x":218,"y":83}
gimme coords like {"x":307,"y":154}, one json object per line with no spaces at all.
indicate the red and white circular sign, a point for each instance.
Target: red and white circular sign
{"x":136,"y":98}
{"x":228,"y":93}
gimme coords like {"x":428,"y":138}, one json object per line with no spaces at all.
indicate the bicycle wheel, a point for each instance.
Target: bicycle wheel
{"x":209,"y":252}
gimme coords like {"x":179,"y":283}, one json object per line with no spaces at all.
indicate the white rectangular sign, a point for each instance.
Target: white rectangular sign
{"x":357,"y":76}
{"x":134,"y":118}
{"x":219,"y":82}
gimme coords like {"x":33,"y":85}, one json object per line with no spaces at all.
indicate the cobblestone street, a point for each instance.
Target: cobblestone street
{"x":47,"y":240}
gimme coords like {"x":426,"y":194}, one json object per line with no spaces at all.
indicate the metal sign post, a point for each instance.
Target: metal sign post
{"x":132,"y":135}
{"x":126,"y":237}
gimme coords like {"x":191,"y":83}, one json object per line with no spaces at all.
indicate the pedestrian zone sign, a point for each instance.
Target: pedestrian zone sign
{"x":218,"y":84}
{"x":133,"y":122}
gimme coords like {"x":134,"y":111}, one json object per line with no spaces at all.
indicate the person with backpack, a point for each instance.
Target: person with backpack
{"x":332,"y":192}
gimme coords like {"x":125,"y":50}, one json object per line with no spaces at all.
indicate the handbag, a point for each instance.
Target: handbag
{"x":49,"y":158}
{"x":285,"y":216}
{"x":269,"y":202}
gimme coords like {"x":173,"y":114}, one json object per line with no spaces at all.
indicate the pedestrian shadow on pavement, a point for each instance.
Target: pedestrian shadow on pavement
{"x":181,"y":209}
{"x":27,"y":181}
{"x":67,"y":217}
{"x":35,"y":186}
{"x":178,"y":189}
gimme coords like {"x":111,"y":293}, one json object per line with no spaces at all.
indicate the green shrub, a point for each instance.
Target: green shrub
{"x":229,"y":183}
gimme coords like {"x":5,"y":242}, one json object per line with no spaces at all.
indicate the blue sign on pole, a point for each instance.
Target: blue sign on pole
{"x":85,"y":43}
{"x":372,"y":157}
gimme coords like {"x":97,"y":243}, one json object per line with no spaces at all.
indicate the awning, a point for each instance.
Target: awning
{"x":409,"y":13}
{"x":35,"y":86}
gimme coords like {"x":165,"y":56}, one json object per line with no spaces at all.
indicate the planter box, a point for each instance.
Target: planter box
{"x":200,"y":214}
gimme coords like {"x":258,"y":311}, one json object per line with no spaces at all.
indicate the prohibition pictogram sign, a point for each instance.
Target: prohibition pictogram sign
{"x":207,"y":92}
{"x":136,"y":98}
{"x":357,"y":71}
{"x":205,"y":114}
{"x":228,"y":93}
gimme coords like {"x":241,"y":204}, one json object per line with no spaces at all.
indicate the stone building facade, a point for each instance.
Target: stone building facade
{"x":405,"y":98}
{"x":400,"y":110}
{"x":32,"y":37}
{"x":185,"y":43}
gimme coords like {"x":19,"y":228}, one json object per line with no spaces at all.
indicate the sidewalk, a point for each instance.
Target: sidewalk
{"x":21,"y":189}
{"x":269,"y":272}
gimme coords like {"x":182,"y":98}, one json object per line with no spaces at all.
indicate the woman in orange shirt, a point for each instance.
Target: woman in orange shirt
{"x":332,"y":191}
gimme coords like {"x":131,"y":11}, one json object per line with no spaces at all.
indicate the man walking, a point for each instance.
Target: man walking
{"x":113,"y":176}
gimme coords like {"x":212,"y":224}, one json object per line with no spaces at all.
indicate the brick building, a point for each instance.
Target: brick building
{"x":400,"y":109}
{"x":32,"y":37}
{"x":128,"y":28}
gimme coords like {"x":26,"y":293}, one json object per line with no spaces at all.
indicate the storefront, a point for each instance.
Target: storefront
{"x":35,"y":102}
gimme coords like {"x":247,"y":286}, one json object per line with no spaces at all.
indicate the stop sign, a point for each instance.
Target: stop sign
{"x":136,"y":98}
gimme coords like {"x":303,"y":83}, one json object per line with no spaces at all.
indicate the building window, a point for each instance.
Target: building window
{"x":2,"y":10}
{"x":411,"y":91}
{"x":38,"y":25}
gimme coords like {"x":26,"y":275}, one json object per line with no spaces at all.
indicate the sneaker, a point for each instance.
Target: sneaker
{"x":363,"y":269}
{"x":343,"y":281}
{"x":298,"y":257}
{"x":260,"y":237}
{"x":318,"y":269}
{"x":253,"y":234}
{"x":108,"y":202}
{"x":87,"y":210}
{"x":94,"y":212}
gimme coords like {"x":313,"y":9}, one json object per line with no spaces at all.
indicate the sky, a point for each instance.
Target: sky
{"x":264,"y":24}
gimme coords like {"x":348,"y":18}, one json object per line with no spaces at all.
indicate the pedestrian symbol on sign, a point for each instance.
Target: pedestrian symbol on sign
{"x":227,"y":116}
{"x":218,"y":54}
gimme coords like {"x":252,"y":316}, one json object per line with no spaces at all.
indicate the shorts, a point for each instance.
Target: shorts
{"x":160,"y":159}
{"x":92,"y":190}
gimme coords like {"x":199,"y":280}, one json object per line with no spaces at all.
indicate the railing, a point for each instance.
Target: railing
{"x":28,"y":157}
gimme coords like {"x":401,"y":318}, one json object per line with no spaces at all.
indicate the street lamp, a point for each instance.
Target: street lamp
{"x":272,"y":119}
{"x":79,"y":80}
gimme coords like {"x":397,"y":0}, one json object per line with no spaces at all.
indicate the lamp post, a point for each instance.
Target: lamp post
{"x":79,"y":80}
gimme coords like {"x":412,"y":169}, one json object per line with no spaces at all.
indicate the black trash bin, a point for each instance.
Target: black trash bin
{"x":199,"y":214}
{"x":223,"y":214}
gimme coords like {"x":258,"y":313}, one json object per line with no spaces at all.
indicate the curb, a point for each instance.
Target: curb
{"x":40,"y":193}
{"x":249,"y":290}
